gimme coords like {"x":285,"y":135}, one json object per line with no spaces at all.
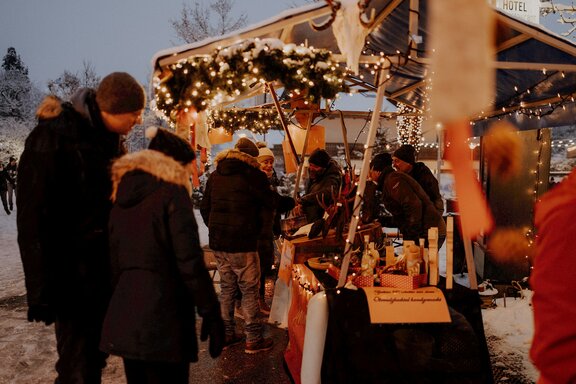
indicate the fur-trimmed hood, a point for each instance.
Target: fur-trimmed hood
{"x":151,"y":162}
{"x":235,"y":154}
{"x":51,"y":106}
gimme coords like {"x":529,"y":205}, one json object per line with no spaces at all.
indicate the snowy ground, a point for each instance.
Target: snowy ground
{"x":27,"y":350}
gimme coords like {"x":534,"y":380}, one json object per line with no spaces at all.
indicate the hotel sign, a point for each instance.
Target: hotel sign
{"x":528,"y":10}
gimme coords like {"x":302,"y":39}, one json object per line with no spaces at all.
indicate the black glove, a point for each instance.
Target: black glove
{"x":213,"y":327}
{"x":41,"y":312}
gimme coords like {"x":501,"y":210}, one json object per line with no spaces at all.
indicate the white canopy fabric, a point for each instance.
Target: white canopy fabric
{"x":536,"y":69}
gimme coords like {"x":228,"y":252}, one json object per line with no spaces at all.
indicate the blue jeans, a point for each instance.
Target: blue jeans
{"x":240,"y":270}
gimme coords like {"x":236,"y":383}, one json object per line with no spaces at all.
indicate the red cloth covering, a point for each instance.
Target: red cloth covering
{"x":554,"y":344}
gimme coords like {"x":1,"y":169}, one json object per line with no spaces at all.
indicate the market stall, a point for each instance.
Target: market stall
{"x":535,"y":73}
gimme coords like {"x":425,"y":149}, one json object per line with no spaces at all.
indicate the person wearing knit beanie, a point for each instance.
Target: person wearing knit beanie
{"x":381,"y":161}
{"x":406,"y":153}
{"x":170,"y":144}
{"x":247,"y":146}
{"x":319,"y":157}
{"x":120,"y":93}
{"x":89,"y":127}
{"x":404,"y":160}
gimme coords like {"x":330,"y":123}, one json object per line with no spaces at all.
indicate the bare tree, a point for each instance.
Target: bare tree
{"x":199,"y":21}
{"x":69,"y":82}
{"x":566,"y":13}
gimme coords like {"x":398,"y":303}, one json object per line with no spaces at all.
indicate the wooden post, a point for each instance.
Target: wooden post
{"x":363,"y":175}
{"x":283,"y":120}
{"x":449,"y":251}
{"x":433,"y":255}
{"x":470,"y":262}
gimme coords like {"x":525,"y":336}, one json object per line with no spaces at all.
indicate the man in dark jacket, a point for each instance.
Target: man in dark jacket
{"x":404,"y":160}
{"x":237,"y":206}
{"x":325,"y":179}
{"x":11,"y":172}
{"x":158,"y":266}
{"x":63,"y":199}
{"x":405,"y":199}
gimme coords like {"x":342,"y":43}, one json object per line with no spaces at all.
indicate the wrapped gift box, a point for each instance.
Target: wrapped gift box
{"x":403,"y":281}
{"x":362,"y":281}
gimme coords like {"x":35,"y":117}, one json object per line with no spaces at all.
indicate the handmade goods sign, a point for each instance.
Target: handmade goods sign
{"x":393,"y":305}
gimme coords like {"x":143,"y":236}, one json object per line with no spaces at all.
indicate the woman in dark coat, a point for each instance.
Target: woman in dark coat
{"x":158,"y":266}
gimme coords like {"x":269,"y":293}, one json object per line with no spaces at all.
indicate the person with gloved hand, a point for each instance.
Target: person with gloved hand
{"x":62,"y":208}
{"x":160,"y":279}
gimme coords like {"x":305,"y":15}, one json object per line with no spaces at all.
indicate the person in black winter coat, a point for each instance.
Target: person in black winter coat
{"x":404,"y":160}
{"x":4,"y":188}
{"x":63,"y":199}
{"x":158,"y":266}
{"x":237,"y":207}
{"x":11,"y":172}
{"x":325,"y":180}
{"x":405,"y":199}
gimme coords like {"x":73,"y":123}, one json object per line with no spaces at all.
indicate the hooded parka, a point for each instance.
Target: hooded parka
{"x":238,"y":203}
{"x":157,"y":262}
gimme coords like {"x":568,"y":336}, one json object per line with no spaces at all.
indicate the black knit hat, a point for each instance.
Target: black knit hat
{"x":247,"y":146}
{"x":381,"y":161}
{"x":170,"y":144}
{"x":120,"y":93}
{"x":320,"y":158}
{"x":407,"y":153}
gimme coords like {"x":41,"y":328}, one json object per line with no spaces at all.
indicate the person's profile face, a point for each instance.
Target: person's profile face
{"x":400,"y":165}
{"x":122,"y":123}
{"x":267,"y":165}
{"x":314,"y":171}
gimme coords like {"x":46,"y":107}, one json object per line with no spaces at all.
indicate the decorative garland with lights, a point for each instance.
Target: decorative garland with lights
{"x":202,"y":82}
{"x":409,"y":125}
{"x":234,"y":119}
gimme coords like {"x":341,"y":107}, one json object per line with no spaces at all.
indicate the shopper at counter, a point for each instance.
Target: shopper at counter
{"x":325,"y":178}
{"x":404,"y":198}
{"x":404,"y":160}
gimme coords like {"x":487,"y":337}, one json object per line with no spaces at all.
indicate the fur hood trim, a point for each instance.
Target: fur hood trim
{"x":49,"y":108}
{"x":153,"y":162}
{"x":234,"y":153}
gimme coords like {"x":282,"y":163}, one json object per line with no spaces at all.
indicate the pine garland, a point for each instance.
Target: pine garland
{"x":202,"y":82}
{"x":234,"y":119}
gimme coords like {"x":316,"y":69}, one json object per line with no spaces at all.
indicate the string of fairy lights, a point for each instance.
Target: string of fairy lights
{"x":259,"y":121}
{"x":202,"y":82}
{"x":409,"y":125}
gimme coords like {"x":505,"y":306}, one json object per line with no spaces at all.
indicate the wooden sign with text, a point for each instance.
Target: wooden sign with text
{"x":393,"y":305}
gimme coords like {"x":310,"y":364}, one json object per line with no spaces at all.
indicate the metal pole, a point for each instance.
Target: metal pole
{"x":363,"y":174}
